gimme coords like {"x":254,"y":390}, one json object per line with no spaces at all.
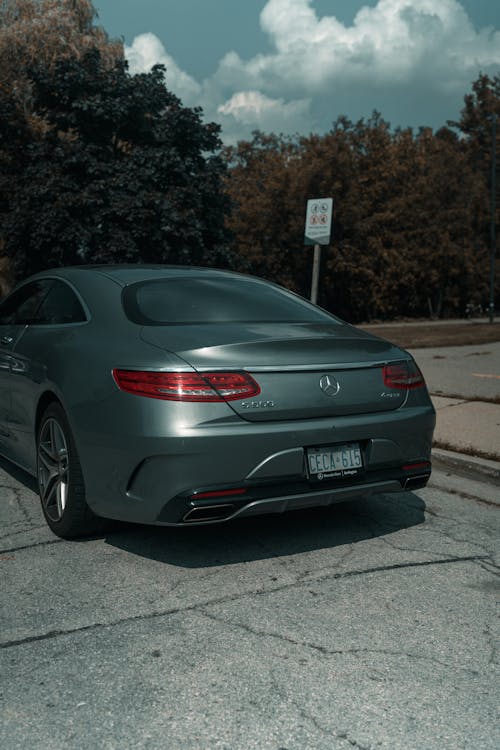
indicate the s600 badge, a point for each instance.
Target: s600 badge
{"x":257,"y":404}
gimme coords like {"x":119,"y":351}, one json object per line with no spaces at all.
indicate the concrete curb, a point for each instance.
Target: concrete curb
{"x":480,"y":469}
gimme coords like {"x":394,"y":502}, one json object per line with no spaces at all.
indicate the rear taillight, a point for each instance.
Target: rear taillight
{"x":187,"y":386}
{"x":403,"y":375}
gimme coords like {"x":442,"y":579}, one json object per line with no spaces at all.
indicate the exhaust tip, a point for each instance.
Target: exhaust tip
{"x":209,"y":513}
{"x":416,"y":483}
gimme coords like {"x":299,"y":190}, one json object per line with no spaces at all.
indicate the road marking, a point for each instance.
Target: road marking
{"x":485,"y":375}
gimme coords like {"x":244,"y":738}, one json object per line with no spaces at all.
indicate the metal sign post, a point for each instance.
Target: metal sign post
{"x":318,"y":232}
{"x":315,"y":274}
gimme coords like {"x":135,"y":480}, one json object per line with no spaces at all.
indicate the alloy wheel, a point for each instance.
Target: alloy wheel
{"x":53,"y":469}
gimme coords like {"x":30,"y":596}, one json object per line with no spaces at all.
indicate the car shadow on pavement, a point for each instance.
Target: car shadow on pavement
{"x":268,"y":536}
{"x":257,"y":538}
{"x":20,"y":475}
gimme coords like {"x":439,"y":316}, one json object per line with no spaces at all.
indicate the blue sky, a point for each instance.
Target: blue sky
{"x":296,"y":65}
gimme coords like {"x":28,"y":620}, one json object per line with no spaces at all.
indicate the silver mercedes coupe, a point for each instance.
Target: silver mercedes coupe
{"x":179,"y":395}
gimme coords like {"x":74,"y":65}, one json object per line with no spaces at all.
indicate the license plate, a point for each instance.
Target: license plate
{"x":335,"y":462}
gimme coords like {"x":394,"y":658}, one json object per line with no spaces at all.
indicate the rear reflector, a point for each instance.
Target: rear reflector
{"x":403,"y":375}
{"x":187,"y":386}
{"x":417,"y":466}
{"x":218,"y":493}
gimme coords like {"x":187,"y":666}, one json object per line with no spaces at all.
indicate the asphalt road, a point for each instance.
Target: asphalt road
{"x":464,"y":371}
{"x":368,"y":625}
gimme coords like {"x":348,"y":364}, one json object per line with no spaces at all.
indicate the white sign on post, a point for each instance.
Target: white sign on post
{"x":318,"y":232}
{"x":318,"y":221}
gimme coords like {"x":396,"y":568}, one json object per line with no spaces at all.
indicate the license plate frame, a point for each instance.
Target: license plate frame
{"x":334,"y":462}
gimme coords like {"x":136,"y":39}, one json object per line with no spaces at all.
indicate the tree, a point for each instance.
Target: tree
{"x":36,"y":32}
{"x":476,"y":127}
{"x":263,"y":186}
{"x":123,"y":173}
{"x":403,"y":240}
{"x":479,"y":106}
{"x":46,"y":32}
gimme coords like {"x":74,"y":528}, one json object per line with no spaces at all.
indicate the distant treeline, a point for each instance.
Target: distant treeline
{"x":99,"y":166}
{"x":412,"y":216}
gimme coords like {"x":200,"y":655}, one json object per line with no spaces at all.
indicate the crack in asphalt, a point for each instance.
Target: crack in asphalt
{"x":312,"y":720}
{"x":20,"y":501}
{"x":378,"y":527}
{"x":33,"y":527}
{"x":200,"y":606}
{"x":460,"y":521}
{"x":16,"y":491}
{"x":33,"y":545}
{"x":324,"y":651}
{"x":304,"y":714}
{"x":325,"y":572}
{"x":434,"y":528}
{"x":431,"y":523}
{"x":490,"y":567}
{"x":402,"y":548}
{"x":465,"y":495}
{"x":440,"y":532}
{"x":353,"y":743}
{"x":492,"y":643}
{"x":336,"y":734}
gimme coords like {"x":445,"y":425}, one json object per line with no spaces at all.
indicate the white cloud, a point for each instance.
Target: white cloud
{"x":396,"y":40}
{"x":394,"y":54}
{"x":255,"y":110}
{"x":146,"y":51}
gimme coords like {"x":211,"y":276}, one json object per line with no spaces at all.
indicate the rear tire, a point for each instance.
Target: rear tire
{"x":60,"y":479}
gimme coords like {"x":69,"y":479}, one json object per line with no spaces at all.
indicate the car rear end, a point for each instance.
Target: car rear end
{"x":272,"y":404}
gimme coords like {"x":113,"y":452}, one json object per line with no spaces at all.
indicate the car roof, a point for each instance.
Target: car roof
{"x":124,"y":274}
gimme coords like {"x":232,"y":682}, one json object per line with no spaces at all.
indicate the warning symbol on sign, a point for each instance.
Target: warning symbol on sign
{"x":318,"y":221}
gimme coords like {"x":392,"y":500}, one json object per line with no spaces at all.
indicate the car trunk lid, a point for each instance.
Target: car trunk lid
{"x":303,"y":370}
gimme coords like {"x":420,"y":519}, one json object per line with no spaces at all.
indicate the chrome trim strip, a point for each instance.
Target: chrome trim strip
{"x":415,"y":479}
{"x":323,"y":368}
{"x":330,"y":366}
{"x":198,"y":510}
{"x":299,"y":451}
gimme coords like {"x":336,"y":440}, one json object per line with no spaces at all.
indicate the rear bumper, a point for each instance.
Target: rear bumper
{"x":152,"y":478}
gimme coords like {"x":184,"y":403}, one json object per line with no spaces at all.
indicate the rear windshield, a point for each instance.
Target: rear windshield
{"x":188,"y":300}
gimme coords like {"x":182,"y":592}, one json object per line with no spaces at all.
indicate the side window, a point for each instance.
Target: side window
{"x":61,"y":305}
{"x":21,"y":306}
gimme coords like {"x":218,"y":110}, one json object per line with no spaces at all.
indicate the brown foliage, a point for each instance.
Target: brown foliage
{"x":411,"y":215}
{"x":43,"y":32}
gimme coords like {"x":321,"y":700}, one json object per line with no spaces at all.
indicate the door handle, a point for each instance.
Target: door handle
{"x":6,"y":340}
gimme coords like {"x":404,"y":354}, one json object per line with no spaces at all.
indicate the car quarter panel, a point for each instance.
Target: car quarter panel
{"x":75,"y":363}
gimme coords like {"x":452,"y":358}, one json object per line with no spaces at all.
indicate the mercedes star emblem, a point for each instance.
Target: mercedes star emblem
{"x":329,"y":385}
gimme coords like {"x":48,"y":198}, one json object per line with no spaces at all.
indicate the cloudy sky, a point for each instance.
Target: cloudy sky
{"x":295,"y":65}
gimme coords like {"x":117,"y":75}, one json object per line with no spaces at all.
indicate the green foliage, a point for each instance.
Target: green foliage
{"x":122,"y":172}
